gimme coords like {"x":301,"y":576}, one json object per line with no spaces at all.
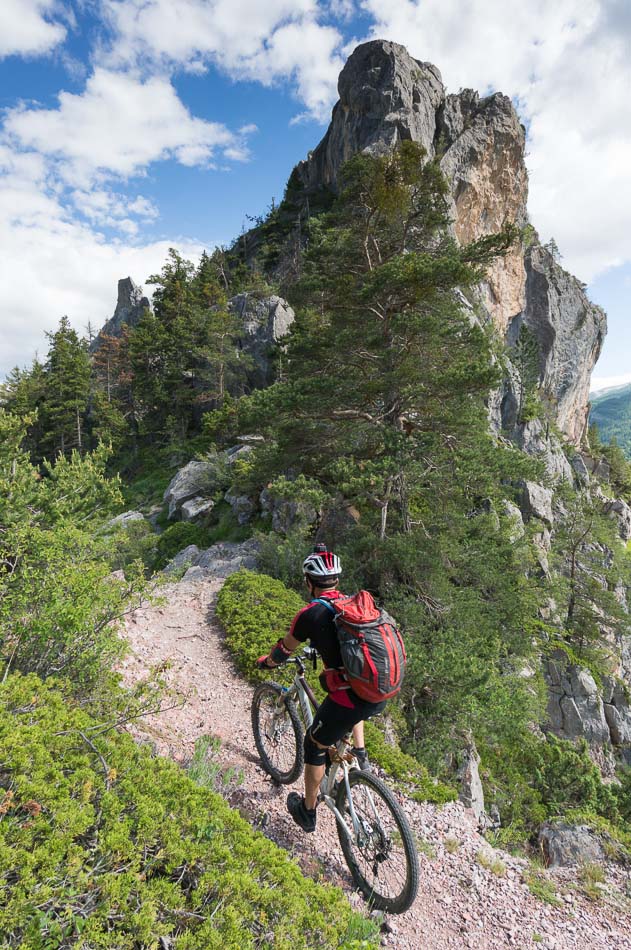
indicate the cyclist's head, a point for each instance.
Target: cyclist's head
{"x":322,"y":568}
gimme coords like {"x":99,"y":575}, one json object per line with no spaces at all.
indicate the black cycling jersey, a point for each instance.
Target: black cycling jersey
{"x":315,"y":623}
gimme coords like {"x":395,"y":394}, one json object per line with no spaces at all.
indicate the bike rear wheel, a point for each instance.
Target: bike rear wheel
{"x":278,"y":733}
{"x":382,"y":857}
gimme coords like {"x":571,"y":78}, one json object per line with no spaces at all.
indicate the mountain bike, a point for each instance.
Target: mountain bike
{"x":376,"y":839}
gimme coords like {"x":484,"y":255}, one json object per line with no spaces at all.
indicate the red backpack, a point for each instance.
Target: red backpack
{"x":372,"y":648}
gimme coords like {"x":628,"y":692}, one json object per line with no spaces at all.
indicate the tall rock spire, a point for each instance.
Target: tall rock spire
{"x":386,"y":96}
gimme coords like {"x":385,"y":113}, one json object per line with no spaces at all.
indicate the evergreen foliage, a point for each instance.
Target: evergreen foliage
{"x":58,"y":604}
{"x":592,"y":567}
{"x":102,"y":845}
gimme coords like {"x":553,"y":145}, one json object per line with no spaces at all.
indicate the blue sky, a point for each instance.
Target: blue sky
{"x":128,"y":126}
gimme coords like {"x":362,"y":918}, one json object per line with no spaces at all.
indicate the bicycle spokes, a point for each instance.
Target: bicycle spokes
{"x":380,"y":849}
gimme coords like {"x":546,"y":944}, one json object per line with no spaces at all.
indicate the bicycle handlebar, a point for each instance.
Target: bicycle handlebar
{"x":309,"y":653}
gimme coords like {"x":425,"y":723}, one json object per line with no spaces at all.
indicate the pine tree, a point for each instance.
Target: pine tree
{"x":384,"y":403}
{"x":524,"y":357}
{"x":65,"y":403}
{"x":591,"y":569}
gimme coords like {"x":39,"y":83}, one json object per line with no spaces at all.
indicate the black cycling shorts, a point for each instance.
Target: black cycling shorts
{"x":332,"y":721}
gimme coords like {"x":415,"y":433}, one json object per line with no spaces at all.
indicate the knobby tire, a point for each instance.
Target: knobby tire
{"x":384,"y":866}
{"x":278,"y":733}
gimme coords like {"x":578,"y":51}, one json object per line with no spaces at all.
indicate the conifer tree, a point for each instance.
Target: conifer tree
{"x":388,"y":368}
{"x":65,"y":404}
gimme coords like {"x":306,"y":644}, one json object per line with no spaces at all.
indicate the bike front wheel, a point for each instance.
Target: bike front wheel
{"x":381,"y":853}
{"x":278,"y":733}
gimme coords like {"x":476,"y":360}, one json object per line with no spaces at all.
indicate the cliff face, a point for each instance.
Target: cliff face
{"x":386,"y":96}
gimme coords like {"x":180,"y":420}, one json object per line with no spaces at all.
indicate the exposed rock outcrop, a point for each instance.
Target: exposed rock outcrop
{"x":220,"y":560}
{"x":565,"y":845}
{"x":471,"y":793}
{"x":124,"y":520}
{"x":537,"y":502}
{"x":131,"y":304}
{"x":386,"y":97}
{"x":197,"y":480}
{"x":265,"y":320}
{"x":570,"y":331}
{"x":575,"y":704}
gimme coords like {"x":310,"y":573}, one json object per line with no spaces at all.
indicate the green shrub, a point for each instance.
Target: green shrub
{"x":255,"y":610}
{"x":544,"y":779}
{"x":405,"y":768}
{"x":103,"y":846}
{"x":134,"y":542}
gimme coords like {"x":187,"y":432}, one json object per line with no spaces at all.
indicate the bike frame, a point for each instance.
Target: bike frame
{"x":339,"y":754}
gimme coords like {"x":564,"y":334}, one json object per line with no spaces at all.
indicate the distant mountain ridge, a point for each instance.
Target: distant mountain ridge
{"x":611,"y":412}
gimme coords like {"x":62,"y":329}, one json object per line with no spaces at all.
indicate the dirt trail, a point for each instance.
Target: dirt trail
{"x":460,"y":903}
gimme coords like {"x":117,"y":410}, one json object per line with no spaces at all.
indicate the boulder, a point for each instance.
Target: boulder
{"x":565,"y":845}
{"x":196,"y":508}
{"x":226,"y":557}
{"x":537,"y":502}
{"x":220,"y":560}
{"x":124,"y":520}
{"x":189,"y":556}
{"x":198,"y":479}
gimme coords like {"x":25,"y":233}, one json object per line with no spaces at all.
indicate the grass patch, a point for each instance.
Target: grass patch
{"x":205,"y":770}
{"x":592,"y":879}
{"x":451,"y":844}
{"x":541,"y":887}
{"x":486,"y":859}
{"x":423,"y":846}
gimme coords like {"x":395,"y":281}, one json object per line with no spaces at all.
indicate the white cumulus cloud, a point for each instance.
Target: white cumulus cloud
{"x":29,"y":27}
{"x":267,"y":42}
{"x":117,"y":126}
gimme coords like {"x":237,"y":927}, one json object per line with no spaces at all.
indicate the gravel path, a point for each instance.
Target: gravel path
{"x":460,"y":903}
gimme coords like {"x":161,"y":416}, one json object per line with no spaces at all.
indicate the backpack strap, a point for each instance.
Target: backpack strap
{"x":321,"y":600}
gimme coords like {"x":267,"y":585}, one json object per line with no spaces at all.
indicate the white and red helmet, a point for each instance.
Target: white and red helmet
{"x":322,"y":563}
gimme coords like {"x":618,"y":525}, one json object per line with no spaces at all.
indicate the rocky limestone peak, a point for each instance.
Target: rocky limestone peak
{"x":387,"y":96}
{"x":130,"y":306}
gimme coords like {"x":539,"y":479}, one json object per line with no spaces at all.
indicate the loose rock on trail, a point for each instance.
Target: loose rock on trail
{"x":470,"y":896}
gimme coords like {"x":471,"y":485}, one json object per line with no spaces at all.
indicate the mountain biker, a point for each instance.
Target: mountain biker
{"x":342,"y":709}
